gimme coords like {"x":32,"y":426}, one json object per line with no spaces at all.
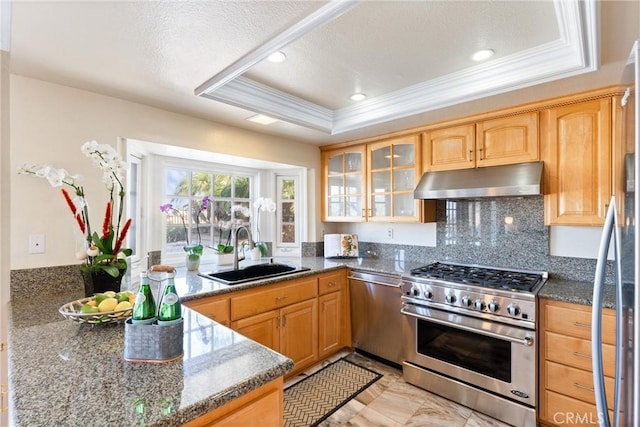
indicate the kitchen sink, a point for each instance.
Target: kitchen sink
{"x":253,"y":272}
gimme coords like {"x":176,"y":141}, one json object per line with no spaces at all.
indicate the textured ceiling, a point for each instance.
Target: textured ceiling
{"x":158,"y":52}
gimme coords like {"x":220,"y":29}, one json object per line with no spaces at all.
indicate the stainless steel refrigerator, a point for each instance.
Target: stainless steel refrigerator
{"x":619,"y":231}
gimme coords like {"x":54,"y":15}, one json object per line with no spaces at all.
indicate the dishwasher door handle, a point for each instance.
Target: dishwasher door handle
{"x":393,"y":285}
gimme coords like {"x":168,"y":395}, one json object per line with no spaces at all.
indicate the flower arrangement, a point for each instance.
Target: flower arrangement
{"x":103,"y":251}
{"x":262,"y":204}
{"x":194,"y":251}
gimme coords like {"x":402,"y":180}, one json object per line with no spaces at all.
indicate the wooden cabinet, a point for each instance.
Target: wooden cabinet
{"x":283,"y":317}
{"x":374,"y":182}
{"x":393,"y":171}
{"x":344,"y":182}
{"x":266,"y":403}
{"x":333,"y":313}
{"x":577,"y":160}
{"x":500,"y":141}
{"x":215,"y":308}
{"x":566,"y":376}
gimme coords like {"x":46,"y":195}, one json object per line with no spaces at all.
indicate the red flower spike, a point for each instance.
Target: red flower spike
{"x":107,"y":222}
{"x":125,"y":229}
{"x":80,"y":222}
{"x":72,"y":206}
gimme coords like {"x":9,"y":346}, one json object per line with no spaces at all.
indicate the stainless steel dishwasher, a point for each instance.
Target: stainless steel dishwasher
{"x":376,"y":322}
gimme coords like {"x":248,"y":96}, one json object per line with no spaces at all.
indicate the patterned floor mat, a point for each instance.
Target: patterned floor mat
{"x":315,"y":398}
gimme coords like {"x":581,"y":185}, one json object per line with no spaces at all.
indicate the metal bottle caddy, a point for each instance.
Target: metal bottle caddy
{"x":154,"y":343}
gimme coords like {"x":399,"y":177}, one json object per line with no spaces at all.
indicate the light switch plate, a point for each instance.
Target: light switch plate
{"x":36,"y":244}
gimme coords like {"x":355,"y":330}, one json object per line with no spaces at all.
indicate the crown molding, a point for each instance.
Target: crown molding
{"x":575,"y":52}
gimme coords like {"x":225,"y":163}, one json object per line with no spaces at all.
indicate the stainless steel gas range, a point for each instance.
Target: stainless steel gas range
{"x":469,"y":334}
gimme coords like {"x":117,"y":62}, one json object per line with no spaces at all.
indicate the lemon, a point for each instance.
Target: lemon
{"x":110,"y":294}
{"x":107,"y":305}
{"x":123,"y":305}
{"x":92,"y":302}
{"x":86,"y":309}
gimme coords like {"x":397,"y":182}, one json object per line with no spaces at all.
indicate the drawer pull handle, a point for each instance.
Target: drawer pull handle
{"x":582,"y":325}
{"x":584,"y":356}
{"x":583,"y":387}
{"x":281,"y":298}
{"x":471,"y":155}
{"x":332,"y":284}
{"x":212,"y":316}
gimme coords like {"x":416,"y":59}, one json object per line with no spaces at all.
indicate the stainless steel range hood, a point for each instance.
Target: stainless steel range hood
{"x":522,"y":179}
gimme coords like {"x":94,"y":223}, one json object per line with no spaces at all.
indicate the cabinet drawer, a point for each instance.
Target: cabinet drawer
{"x":332,"y":282}
{"x":564,"y":410}
{"x":214,"y":308}
{"x":273,"y":297}
{"x":577,"y":321}
{"x":576,"y":352}
{"x":575,"y":383}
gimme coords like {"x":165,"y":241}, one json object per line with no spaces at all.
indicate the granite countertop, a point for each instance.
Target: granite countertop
{"x":72,"y":374}
{"x":76,"y":374}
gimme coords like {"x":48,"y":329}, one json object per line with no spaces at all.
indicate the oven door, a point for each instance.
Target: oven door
{"x":492,"y":356}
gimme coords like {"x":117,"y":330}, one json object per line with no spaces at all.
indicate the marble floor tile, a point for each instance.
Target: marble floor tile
{"x":392,"y":402}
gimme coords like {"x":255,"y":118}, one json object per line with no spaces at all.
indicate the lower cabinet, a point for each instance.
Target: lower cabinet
{"x":306,"y":319}
{"x":264,"y":403}
{"x":566,"y":376}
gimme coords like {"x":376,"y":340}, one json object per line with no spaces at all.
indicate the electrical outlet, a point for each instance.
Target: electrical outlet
{"x":390,"y":233}
{"x":36,"y":244}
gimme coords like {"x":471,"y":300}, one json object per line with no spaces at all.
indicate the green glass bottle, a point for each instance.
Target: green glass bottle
{"x":144,"y":309}
{"x":170,"y":308}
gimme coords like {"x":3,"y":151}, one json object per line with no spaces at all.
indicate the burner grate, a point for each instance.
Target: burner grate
{"x":480,"y":276}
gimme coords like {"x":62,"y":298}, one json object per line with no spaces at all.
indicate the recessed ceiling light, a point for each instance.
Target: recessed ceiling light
{"x":481,"y":55}
{"x":357,"y":96}
{"x":262,"y":119}
{"x":277,"y":57}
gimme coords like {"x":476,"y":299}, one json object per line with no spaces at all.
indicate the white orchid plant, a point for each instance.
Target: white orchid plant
{"x":262,"y":204}
{"x":102,"y":251}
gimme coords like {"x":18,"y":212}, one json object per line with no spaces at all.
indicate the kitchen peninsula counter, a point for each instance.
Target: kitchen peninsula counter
{"x":69,"y":374}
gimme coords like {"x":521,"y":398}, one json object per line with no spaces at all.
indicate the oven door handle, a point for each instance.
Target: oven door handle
{"x":526,"y":341}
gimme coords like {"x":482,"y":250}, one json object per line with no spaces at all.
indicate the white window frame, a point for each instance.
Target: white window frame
{"x":291,"y":249}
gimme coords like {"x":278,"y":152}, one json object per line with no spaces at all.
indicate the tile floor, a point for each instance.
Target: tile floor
{"x":392,"y":402}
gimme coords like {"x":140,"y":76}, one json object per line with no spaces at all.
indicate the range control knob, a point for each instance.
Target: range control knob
{"x":494,"y":306}
{"x":428,"y":294}
{"x":450,"y":298}
{"x":415,"y":291}
{"x":513,"y":309}
{"x":479,"y":304}
{"x":466,"y":301}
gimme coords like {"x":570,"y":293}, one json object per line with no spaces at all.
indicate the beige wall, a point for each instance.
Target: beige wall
{"x":50,"y":122}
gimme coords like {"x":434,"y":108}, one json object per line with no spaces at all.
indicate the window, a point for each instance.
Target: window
{"x":226,"y":198}
{"x":288,"y":234}
{"x":134,"y":205}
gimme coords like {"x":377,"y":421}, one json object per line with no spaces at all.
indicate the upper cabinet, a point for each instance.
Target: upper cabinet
{"x":500,"y":141}
{"x":344,"y":182}
{"x":393,"y":173}
{"x":577,"y":160}
{"x":374,"y":182}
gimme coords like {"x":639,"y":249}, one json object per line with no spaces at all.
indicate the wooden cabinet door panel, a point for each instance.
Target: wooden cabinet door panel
{"x":264,"y":409}
{"x":214,"y":308}
{"x":332,"y":282}
{"x":299,"y":332}
{"x":507,"y":140}
{"x":576,"y":352}
{"x":578,"y":163}
{"x":330,"y":323}
{"x":575,"y":320}
{"x":262,"y":328}
{"x":564,"y":410}
{"x":258,"y":301}
{"x":448,"y":148}
{"x":575,"y":383}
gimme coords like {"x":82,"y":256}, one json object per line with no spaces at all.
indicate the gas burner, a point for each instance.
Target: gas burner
{"x":516,"y":281}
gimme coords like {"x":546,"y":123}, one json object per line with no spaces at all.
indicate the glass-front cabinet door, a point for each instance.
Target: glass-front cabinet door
{"x":393,"y":173}
{"x":344,"y":186}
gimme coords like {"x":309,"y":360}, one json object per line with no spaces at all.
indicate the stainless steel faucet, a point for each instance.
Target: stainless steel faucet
{"x":236,"y":259}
